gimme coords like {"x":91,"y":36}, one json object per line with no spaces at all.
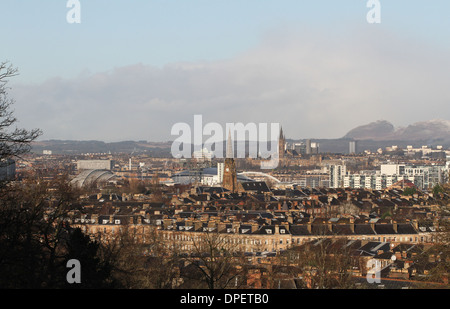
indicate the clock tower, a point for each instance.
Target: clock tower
{"x":229,"y":173}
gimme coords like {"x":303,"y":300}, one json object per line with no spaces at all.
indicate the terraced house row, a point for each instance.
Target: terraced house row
{"x":258,"y":220}
{"x":250,"y":236}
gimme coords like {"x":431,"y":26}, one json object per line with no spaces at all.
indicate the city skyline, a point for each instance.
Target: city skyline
{"x":224,"y":145}
{"x":129,"y":72}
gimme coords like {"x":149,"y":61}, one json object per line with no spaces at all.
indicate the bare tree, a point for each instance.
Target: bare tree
{"x":214,"y":259}
{"x":324,"y":263}
{"x":14,"y":141}
{"x":138,"y":264}
{"x":33,"y":232}
{"x":433,"y":264}
{"x":348,"y":208}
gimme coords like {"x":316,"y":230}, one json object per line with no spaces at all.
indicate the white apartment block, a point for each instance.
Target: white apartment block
{"x":423,"y":177}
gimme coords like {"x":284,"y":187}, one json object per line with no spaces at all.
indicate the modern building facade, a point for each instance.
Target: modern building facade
{"x":337,"y":174}
{"x":352,"y":147}
{"x":423,"y":177}
{"x":94,"y":165}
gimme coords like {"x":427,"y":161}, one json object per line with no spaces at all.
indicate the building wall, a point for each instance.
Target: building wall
{"x":94,"y":165}
{"x":220,"y":169}
{"x":186,"y":241}
{"x":337,"y":173}
{"x":7,"y":170}
{"x":230,"y":176}
{"x":423,"y":177}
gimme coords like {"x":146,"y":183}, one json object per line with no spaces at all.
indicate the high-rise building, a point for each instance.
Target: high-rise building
{"x":300,"y":148}
{"x":220,"y":169}
{"x":423,"y":177}
{"x":308,"y":146}
{"x":314,"y":148}
{"x":337,"y":173}
{"x":202,"y":155}
{"x":352,"y":147}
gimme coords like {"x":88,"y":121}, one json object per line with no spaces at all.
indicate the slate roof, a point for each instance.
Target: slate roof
{"x":320,"y":229}
{"x":342,"y":229}
{"x":242,"y":229}
{"x":270,"y":230}
{"x":384,"y":229}
{"x":405,"y":228}
{"x":364,"y":229}
{"x":299,"y":230}
{"x":258,"y":186}
{"x":372,"y":247}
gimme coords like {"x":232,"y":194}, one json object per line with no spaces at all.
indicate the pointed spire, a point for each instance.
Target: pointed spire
{"x":229,"y":146}
{"x":281,"y":133}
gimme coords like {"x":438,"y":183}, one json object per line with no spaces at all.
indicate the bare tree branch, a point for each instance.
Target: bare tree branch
{"x":14,"y":141}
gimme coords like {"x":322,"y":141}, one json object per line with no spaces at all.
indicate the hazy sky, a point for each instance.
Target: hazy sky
{"x":132,"y":69}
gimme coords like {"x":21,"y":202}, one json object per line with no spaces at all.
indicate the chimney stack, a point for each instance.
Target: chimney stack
{"x":352,"y":224}
{"x":308,"y":226}
{"x":197,"y":225}
{"x":330,"y":227}
{"x":415,"y":224}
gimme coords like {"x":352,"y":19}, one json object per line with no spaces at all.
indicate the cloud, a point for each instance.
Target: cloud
{"x":315,"y":84}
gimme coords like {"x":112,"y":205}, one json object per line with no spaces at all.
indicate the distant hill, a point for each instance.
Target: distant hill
{"x":378,"y":134}
{"x":382,"y":130}
{"x":426,"y":130}
{"x":374,"y":131}
{"x":78,"y":147}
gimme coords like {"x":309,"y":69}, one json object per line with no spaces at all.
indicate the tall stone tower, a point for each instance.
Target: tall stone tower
{"x":281,"y":144}
{"x":229,"y":173}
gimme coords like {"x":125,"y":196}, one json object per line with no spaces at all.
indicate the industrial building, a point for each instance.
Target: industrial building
{"x":94,"y":165}
{"x":210,"y":176}
{"x":89,"y":177}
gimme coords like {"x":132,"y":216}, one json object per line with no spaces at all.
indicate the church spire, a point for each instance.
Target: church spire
{"x":229,"y":174}
{"x":281,"y":144}
{"x":229,"y":153}
{"x":281,"y":134}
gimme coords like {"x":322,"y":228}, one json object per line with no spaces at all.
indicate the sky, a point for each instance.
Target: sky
{"x":130,"y":70}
